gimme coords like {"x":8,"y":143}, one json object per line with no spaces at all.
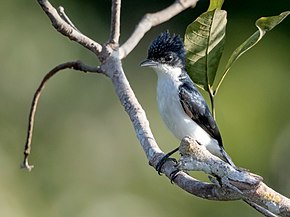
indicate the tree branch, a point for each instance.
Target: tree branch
{"x":66,"y":18}
{"x":67,"y":30}
{"x":260,"y":209}
{"x":115,"y":22}
{"x":233,"y":185}
{"x":150,"y":20}
{"x":76,"y":65}
{"x":247,"y":186}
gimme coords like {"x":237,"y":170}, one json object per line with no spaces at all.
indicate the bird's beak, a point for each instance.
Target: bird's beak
{"x":148,"y":62}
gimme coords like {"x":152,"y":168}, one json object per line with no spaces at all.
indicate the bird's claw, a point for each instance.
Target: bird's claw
{"x":162,"y":162}
{"x":173,"y":175}
{"x":165,"y":158}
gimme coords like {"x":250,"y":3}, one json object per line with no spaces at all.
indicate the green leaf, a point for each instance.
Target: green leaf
{"x":215,"y":4}
{"x":264,"y":24}
{"x":204,"y":43}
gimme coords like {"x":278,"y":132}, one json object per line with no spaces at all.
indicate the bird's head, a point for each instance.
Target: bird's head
{"x":166,"y":51}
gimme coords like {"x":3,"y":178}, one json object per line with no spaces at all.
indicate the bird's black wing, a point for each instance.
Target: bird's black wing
{"x":196,"y":108}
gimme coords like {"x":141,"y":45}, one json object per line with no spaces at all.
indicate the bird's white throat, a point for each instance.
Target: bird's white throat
{"x":165,"y":71}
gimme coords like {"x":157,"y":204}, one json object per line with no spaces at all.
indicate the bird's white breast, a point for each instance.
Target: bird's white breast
{"x":172,"y":112}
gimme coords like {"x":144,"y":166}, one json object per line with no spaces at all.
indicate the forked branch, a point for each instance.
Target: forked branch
{"x":245,"y":185}
{"x":233,"y":185}
{"x":67,"y":30}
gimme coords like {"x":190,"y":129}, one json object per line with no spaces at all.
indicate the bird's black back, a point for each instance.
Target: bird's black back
{"x":196,"y":108}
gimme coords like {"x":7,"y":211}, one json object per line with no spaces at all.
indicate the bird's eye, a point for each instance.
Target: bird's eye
{"x":168,"y":58}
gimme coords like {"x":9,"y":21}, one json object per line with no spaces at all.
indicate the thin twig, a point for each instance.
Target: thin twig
{"x":153,"y":19}
{"x":66,"y":18}
{"x":220,"y":82}
{"x":115,"y":22}
{"x":67,"y":30}
{"x":76,"y":65}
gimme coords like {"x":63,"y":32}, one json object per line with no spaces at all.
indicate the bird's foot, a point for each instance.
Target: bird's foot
{"x":166,"y":158}
{"x":173,"y":175}
{"x":162,"y":162}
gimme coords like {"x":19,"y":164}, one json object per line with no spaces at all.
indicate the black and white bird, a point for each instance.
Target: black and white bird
{"x":181,"y":105}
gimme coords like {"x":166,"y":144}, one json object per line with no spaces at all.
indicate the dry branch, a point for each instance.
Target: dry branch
{"x":153,"y":19}
{"x":233,"y":184}
{"x":67,"y":30}
{"x":246,"y":185}
{"x":76,"y":65}
{"x":115,"y":22}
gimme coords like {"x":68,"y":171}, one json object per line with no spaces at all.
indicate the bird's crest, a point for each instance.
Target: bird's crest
{"x":165,"y":44}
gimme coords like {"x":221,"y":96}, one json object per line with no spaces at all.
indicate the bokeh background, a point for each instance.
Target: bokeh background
{"x":87,"y":159}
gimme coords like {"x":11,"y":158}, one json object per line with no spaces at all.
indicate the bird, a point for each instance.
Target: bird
{"x":181,"y":106}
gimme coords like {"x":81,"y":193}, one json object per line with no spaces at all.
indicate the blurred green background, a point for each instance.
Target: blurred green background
{"x":88,"y":161}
